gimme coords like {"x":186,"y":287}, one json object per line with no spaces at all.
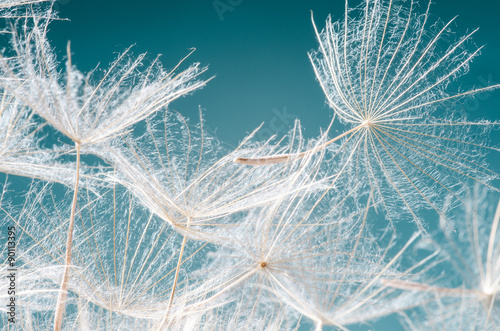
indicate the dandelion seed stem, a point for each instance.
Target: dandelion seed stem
{"x":179,"y":262}
{"x":414,"y":286}
{"x":275,"y":159}
{"x":61,"y":299}
{"x":491,"y":245}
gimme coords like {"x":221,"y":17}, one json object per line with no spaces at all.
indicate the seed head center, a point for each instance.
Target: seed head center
{"x":367,"y":123}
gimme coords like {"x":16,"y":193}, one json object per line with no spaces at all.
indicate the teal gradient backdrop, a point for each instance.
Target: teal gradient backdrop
{"x":257,"y":51}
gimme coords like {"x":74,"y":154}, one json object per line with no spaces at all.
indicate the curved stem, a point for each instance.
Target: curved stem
{"x":179,"y":262}
{"x":275,"y":159}
{"x":421,"y":287}
{"x":61,"y":299}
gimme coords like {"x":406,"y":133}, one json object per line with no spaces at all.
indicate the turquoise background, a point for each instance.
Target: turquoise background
{"x":258,"y":52}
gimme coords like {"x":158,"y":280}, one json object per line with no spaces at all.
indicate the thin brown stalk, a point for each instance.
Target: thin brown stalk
{"x":414,"y":286}
{"x":61,"y":299}
{"x":172,"y":294}
{"x":275,"y":159}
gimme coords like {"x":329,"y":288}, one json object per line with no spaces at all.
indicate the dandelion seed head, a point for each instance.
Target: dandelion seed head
{"x":183,"y":175}
{"x":385,"y":69}
{"x":470,"y":258}
{"x":89,"y":108}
